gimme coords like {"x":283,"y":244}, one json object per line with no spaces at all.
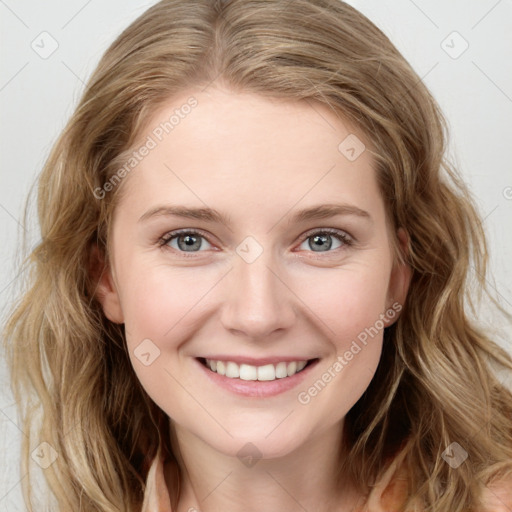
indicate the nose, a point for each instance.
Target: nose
{"x":259,"y":301}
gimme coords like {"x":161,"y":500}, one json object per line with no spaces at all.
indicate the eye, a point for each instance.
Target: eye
{"x":191,"y":240}
{"x":323,"y":239}
{"x":186,"y":240}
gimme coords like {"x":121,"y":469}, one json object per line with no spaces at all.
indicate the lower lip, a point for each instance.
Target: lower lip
{"x":256,"y":388}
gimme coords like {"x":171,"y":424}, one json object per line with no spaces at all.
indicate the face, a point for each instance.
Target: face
{"x":251,"y":273}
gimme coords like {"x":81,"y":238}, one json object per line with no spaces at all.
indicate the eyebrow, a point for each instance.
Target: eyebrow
{"x":318,"y":212}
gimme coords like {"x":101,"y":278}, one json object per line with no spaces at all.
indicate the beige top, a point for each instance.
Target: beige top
{"x":387,"y":496}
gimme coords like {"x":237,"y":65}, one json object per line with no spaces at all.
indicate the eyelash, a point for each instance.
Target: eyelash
{"x":338,"y":234}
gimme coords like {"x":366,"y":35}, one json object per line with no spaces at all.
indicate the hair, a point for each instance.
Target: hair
{"x":436,"y":381}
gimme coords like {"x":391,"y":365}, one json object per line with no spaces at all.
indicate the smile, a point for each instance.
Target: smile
{"x":232,"y":370}
{"x":256,"y":380}
{"x":266,"y":372}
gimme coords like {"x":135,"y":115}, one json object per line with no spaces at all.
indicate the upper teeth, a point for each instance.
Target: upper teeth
{"x":249,"y":372}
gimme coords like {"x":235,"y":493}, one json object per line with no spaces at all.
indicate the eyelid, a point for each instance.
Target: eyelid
{"x":167,"y":237}
{"x":330,"y":231}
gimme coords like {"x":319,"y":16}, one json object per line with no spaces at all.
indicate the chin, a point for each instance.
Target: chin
{"x":258,"y":444}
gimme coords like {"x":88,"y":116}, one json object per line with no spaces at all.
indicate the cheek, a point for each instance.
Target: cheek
{"x":158,"y":301}
{"x":155,"y":305}
{"x":346,"y":301}
{"x":163,"y":308}
{"x":350,"y":304}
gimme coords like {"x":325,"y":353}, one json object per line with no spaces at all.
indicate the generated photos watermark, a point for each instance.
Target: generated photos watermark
{"x":157,"y":135}
{"x":305,"y":397}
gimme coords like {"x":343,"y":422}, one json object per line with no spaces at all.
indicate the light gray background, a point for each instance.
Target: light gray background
{"x":38,"y":95}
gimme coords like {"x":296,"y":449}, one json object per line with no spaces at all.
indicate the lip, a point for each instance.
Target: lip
{"x":256,"y":388}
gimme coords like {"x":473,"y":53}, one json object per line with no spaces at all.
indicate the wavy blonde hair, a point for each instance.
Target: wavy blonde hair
{"x":436,"y":381}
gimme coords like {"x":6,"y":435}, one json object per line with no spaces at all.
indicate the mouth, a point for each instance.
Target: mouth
{"x":281,"y":370}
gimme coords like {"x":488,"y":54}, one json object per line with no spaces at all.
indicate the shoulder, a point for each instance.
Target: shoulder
{"x":156,"y":495}
{"x":497,"y":496}
{"x":391,"y":491}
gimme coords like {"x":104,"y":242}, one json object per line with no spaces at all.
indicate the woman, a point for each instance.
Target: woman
{"x":256,"y":373}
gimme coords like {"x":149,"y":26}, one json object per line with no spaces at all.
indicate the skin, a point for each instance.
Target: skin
{"x":258,"y":161}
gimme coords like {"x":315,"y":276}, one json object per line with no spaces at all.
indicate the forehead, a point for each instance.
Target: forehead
{"x":242,"y":149}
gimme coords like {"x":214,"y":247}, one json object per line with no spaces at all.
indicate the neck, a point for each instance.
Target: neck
{"x":305,"y":479}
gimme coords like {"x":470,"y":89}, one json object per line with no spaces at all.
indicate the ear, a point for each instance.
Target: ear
{"x":104,"y":290}
{"x":400,"y":278}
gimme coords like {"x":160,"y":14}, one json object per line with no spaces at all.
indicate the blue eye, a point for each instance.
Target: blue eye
{"x":322,"y":239}
{"x":190,"y":240}
{"x":187,"y":240}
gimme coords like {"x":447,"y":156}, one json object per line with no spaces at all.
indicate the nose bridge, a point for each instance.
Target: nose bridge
{"x":258,"y":302}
